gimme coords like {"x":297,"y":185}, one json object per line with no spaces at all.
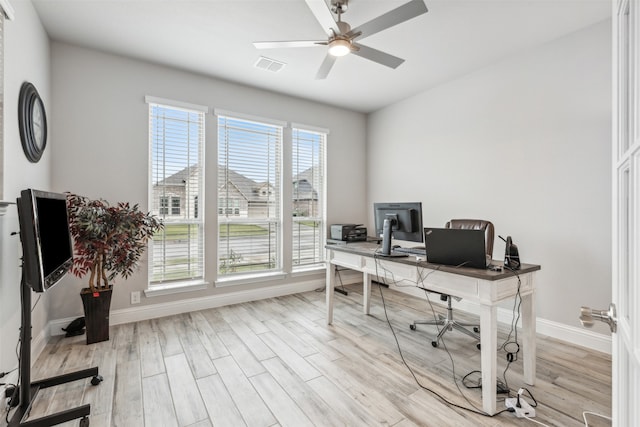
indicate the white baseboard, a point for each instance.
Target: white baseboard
{"x":579,"y":336}
{"x":154,"y":311}
{"x":571,"y":334}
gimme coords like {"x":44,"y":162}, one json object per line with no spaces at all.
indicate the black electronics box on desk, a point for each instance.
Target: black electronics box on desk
{"x":348,"y":232}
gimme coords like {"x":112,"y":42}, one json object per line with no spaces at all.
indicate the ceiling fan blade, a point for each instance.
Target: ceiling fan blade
{"x":324,"y":16}
{"x":394,"y":17}
{"x":326,"y":66}
{"x":376,"y":55}
{"x":299,"y":43}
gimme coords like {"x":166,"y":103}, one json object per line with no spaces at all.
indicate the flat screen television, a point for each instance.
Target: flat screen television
{"x":400,"y":221}
{"x":47,"y":250}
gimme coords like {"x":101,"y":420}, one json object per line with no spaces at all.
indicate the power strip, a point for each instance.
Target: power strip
{"x":525,"y":410}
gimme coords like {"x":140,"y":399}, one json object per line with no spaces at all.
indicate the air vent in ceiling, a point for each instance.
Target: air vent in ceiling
{"x":269,"y":64}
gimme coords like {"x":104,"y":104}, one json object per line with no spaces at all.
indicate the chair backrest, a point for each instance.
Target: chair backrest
{"x":476,"y":224}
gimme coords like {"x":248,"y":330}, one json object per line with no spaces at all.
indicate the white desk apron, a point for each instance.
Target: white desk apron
{"x":485,"y":287}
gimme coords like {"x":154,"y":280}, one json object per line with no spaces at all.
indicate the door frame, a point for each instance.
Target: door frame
{"x":625,"y":289}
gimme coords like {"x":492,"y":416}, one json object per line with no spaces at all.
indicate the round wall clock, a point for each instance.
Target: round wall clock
{"x":32,"y":120}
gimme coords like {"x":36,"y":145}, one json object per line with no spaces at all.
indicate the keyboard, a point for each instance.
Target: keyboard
{"x":410,"y":251}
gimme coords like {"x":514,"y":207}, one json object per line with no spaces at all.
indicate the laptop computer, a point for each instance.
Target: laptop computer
{"x":455,"y":246}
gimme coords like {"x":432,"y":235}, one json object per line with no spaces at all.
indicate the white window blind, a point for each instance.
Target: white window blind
{"x":307,"y":161}
{"x":249,"y":196}
{"x":176,"y":137}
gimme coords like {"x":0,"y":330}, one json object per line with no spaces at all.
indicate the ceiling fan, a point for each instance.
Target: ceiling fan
{"x":341,"y":38}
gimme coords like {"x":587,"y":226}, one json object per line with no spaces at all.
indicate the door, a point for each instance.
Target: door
{"x":626,"y":213}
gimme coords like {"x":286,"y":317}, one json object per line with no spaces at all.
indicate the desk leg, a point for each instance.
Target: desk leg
{"x":366,"y":292}
{"x":529,"y":338}
{"x":488,"y":364}
{"x":331,"y":284}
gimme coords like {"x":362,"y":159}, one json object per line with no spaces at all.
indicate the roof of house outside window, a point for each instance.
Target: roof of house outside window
{"x":248,"y":188}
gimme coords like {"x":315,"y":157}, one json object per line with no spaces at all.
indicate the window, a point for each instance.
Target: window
{"x":249,"y":196}
{"x":176,"y":141}
{"x":175,"y":206}
{"x":308,"y":197}
{"x":164,"y":205}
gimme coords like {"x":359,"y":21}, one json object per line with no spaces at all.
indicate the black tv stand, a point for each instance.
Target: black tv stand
{"x":28,"y":390}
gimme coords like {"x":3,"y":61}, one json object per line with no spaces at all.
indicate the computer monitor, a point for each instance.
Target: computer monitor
{"x":401,"y":221}
{"x":459,"y":247}
{"x":47,"y":251}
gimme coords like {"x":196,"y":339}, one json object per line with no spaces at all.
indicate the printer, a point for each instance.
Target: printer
{"x":349,"y":232}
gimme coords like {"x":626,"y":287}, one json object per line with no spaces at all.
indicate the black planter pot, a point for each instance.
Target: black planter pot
{"x":96,"y":312}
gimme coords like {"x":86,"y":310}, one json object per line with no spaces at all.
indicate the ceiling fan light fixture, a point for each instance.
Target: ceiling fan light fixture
{"x":339,"y":47}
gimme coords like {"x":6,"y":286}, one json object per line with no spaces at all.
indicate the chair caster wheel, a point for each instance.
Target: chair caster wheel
{"x":434,"y":343}
{"x":478,"y":346}
{"x":412,"y":327}
{"x":84,"y":422}
{"x":96,"y":380}
{"x":476,"y":329}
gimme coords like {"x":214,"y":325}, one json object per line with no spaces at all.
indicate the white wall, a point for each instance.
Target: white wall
{"x":524,"y":143}
{"x":101,"y":124}
{"x":26,"y":48}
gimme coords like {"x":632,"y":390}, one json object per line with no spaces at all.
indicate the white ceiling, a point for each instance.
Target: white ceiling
{"x":214,"y":37}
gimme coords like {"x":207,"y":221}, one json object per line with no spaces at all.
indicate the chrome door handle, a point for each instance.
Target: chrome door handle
{"x":588,"y":315}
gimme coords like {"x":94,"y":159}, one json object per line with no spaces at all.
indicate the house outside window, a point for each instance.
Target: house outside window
{"x":250,"y":188}
{"x":176,"y":146}
{"x":249,"y":196}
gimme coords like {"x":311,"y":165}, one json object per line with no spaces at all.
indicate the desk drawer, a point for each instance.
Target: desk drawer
{"x":452,"y":284}
{"x":507,"y":288}
{"x":390,"y":271}
{"x":353,"y":261}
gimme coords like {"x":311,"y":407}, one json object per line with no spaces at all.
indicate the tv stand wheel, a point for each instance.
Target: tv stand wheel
{"x":476,"y":329}
{"x":97,"y":379}
{"x":478,"y":346}
{"x":412,"y":326}
{"x":434,"y":343}
{"x":84,"y":422}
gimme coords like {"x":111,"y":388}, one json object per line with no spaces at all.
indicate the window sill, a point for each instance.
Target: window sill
{"x":249,"y":278}
{"x":176,"y":288}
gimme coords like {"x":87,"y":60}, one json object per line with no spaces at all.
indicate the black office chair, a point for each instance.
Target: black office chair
{"x":447,"y":322}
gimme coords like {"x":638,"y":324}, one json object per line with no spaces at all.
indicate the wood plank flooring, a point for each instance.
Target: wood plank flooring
{"x":276,"y":363}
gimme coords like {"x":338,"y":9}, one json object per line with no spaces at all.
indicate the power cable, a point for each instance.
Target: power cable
{"x":433,"y":392}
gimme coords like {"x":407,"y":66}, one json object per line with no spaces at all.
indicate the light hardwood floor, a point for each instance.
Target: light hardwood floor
{"x":275,"y":362}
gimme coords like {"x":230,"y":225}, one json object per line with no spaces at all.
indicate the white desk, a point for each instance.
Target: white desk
{"x":485,"y":287}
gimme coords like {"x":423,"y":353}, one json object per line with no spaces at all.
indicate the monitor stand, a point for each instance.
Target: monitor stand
{"x":28,"y":390}
{"x":387,"y":227}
